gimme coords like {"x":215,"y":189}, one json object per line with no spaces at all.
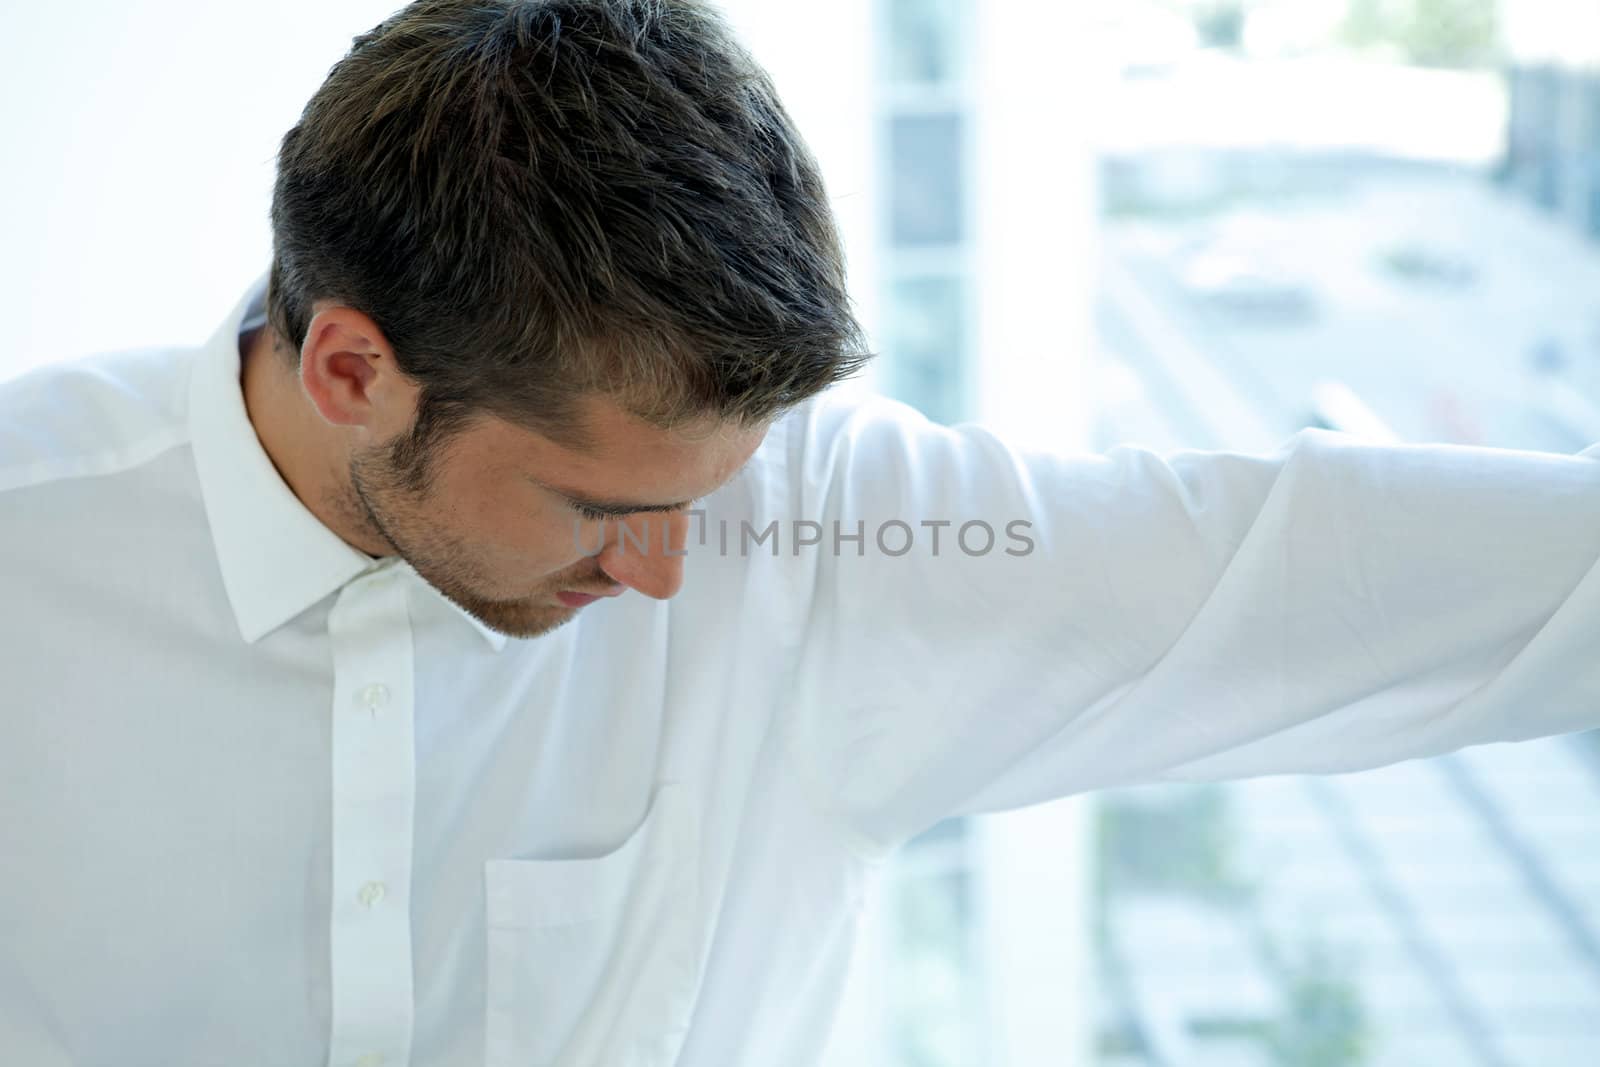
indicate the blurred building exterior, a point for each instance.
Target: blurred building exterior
{"x":1316,"y":236}
{"x":1553,"y":146}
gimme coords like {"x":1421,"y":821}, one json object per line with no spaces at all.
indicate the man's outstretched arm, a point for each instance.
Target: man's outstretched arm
{"x":1331,"y":606}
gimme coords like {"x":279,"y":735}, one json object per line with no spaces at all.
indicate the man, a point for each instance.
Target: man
{"x":359,"y":708}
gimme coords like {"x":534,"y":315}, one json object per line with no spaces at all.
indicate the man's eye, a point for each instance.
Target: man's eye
{"x":592,"y":514}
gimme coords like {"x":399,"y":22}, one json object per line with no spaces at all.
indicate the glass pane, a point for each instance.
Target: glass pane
{"x":1374,"y":228}
{"x":933,"y":997}
{"x":926,"y":184}
{"x":924,"y":354}
{"x":1591,"y":155}
{"x":924,"y":41}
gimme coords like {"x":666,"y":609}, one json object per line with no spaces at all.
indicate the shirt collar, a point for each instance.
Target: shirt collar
{"x":277,"y":558}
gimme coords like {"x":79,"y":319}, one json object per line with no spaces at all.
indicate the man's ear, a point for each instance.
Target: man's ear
{"x":348,"y":370}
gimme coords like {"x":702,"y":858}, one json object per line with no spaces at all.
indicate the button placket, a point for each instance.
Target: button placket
{"x":373,"y":799}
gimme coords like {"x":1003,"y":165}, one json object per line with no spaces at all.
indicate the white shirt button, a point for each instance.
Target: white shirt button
{"x":370,"y":893}
{"x":372,"y":697}
{"x":371,"y":1059}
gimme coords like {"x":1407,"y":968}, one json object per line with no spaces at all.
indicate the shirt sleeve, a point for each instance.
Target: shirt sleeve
{"x":1087,"y":620}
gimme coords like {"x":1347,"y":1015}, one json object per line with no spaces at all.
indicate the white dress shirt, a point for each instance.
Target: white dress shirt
{"x":266,"y":800}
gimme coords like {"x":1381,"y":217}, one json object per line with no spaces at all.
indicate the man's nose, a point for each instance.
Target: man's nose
{"x":640,"y":549}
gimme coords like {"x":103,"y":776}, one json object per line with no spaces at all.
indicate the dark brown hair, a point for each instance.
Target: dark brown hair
{"x":535,"y":199}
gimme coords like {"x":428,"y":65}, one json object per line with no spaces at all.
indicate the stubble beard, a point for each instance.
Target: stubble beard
{"x":376,"y":487}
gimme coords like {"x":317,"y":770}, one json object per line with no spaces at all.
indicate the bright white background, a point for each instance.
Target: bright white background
{"x":139,"y":144}
{"x":139,"y":141}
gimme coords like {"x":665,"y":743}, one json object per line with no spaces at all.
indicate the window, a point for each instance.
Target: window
{"x":1386,"y":233}
{"x":927,"y":234}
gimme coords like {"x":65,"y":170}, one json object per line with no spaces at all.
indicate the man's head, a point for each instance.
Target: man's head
{"x":557,"y":238}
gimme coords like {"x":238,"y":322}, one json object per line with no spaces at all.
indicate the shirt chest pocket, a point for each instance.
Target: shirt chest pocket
{"x":595,"y":961}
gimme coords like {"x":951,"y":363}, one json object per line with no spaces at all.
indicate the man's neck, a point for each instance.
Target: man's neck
{"x":310,"y":456}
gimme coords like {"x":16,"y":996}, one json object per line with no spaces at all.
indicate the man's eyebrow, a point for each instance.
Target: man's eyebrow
{"x":608,"y":507}
{"x":624,"y":507}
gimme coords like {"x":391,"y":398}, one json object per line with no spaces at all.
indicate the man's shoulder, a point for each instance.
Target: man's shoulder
{"x":95,"y":415}
{"x":840,"y":417}
{"x":844,"y":428}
